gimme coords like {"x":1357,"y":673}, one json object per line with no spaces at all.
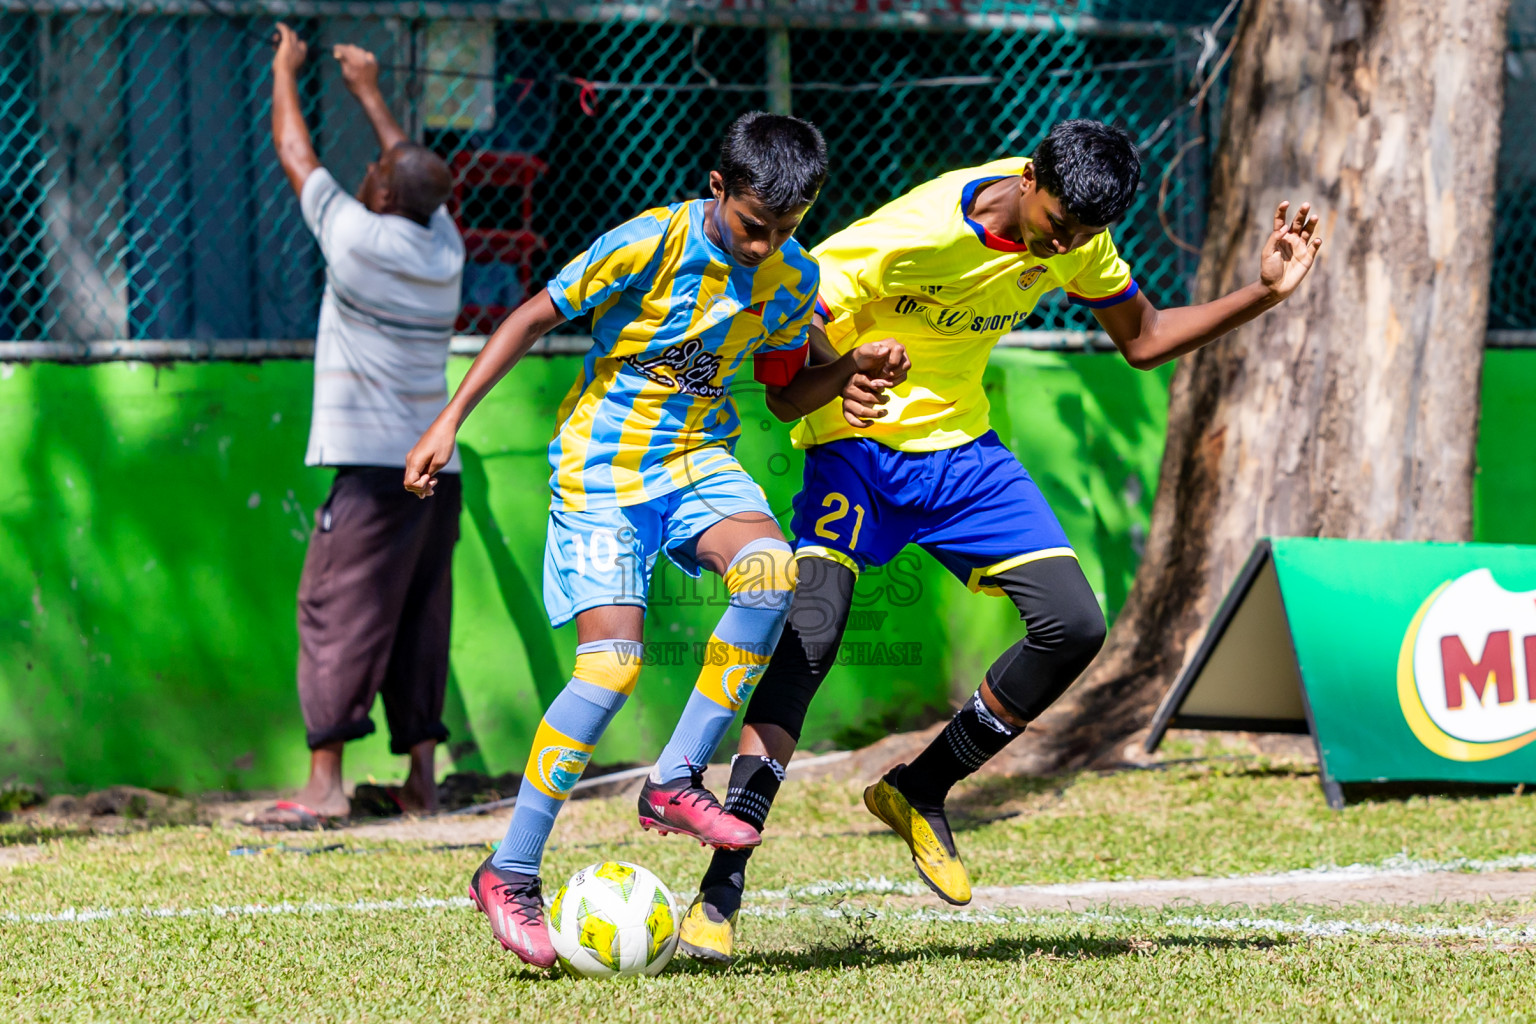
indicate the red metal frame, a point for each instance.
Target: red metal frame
{"x":515,"y":246}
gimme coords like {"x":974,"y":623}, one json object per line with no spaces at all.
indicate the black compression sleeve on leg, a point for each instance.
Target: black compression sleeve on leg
{"x":1066,"y":630}
{"x":807,"y":649}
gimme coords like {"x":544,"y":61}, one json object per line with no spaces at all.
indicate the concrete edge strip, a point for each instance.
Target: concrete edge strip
{"x":173,"y":350}
{"x":634,"y":773}
{"x":1392,"y":867}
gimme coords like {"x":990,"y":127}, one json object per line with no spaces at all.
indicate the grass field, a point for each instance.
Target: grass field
{"x":378,"y":929}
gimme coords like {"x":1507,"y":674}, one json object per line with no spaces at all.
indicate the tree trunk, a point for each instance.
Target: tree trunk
{"x":1351,"y":410}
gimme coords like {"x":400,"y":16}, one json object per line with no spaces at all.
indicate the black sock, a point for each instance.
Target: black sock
{"x":754,"y":783}
{"x":971,"y":739}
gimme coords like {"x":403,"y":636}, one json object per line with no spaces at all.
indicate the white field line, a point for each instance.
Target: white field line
{"x":1399,"y":866}
{"x":73,"y":916}
{"x":1393,"y":867}
{"x":1309,"y":926}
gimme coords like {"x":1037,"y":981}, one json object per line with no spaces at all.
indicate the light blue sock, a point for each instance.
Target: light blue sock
{"x":761,"y":580}
{"x":605,"y":676}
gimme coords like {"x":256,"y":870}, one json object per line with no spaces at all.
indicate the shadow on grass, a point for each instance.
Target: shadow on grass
{"x":1402,"y":792}
{"x":864,"y":948}
{"x":981,"y":802}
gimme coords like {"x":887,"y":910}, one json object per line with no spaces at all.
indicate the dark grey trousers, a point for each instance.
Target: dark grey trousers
{"x":375,"y":606}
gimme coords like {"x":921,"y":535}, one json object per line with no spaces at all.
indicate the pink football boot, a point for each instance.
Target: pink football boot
{"x":684,"y":806}
{"x":515,"y":905}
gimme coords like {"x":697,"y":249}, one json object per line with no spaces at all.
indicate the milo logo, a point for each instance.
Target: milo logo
{"x":1466,"y":671}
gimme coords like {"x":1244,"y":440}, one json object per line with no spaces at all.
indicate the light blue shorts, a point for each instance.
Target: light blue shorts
{"x":605,"y":556}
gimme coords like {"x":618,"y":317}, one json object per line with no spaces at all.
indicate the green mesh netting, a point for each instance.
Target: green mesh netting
{"x":144,"y":199}
{"x":1512,"y":302}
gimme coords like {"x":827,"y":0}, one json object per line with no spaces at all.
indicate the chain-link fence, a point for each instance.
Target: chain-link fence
{"x":1512,"y":298}
{"x":143,"y":199}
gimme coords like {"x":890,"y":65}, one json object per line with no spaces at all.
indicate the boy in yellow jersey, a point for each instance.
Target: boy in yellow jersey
{"x":680,"y":299}
{"x":946,"y":270}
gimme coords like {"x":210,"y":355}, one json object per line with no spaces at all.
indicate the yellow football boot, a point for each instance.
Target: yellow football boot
{"x":704,"y":938}
{"x":933,"y":848}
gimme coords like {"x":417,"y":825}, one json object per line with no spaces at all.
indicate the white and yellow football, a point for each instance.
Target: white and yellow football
{"x":613,"y":920}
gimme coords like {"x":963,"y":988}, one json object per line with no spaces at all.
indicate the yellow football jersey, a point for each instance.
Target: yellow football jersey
{"x":920,"y":270}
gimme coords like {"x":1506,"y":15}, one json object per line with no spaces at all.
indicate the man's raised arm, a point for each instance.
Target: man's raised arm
{"x":290,"y":136}
{"x":360,"y":72}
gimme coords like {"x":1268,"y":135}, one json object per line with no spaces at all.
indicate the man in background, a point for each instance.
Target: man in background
{"x":375,"y":596}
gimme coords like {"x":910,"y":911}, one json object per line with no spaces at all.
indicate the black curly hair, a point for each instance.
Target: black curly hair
{"x":1092,"y":167}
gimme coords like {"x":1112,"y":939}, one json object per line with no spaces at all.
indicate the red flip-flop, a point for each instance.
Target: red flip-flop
{"x":307,"y":819}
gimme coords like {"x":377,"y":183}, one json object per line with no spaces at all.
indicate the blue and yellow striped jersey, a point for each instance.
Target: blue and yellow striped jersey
{"x":673,"y":320}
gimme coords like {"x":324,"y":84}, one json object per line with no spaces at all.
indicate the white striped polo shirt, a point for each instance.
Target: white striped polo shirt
{"x":381,"y":348}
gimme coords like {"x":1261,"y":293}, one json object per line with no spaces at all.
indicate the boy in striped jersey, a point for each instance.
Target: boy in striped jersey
{"x":680,"y":299}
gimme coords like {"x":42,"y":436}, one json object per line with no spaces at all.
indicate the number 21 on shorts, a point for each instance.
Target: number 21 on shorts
{"x":839,"y":504}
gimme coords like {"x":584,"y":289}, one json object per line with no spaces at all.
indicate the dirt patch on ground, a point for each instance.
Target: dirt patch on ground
{"x":125,"y":808}
{"x":864,"y":765}
{"x":10,"y":856}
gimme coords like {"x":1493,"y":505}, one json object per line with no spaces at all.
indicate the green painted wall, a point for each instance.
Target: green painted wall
{"x":1504,"y":499}
{"x":153,"y":526}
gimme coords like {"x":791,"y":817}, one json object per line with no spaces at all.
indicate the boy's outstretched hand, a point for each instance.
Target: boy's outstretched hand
{"x":1290,"y":250}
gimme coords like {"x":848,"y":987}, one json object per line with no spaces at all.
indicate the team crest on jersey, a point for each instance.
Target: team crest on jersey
{"x":685,"y":366}
{"x":1029,"y":277}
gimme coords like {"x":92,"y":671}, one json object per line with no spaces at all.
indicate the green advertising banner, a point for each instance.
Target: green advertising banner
{"x":1405,"y":661}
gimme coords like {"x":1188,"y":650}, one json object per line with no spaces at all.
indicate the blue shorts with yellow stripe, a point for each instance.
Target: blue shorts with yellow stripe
{"x":974,"y":507}
{"x":605,"y":556}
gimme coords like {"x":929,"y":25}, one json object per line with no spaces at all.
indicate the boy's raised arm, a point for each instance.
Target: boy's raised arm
{"x":1148,"y":336}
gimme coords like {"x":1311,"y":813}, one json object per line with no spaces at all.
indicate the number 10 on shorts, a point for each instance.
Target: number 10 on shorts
{"x":601,"y":546}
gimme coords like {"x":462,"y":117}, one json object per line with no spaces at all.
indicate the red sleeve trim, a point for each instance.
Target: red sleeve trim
{"x":778,"y":367}
{"x":824,"y":309}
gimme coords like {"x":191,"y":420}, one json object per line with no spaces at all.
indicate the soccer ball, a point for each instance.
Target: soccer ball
{"x":613,"y":920}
